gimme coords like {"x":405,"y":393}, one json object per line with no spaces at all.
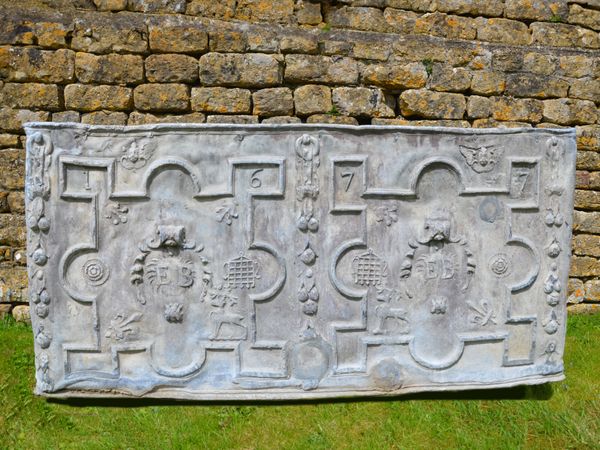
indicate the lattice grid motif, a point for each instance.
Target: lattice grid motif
{"x":241,"y":273}
{"x":369,"y":269}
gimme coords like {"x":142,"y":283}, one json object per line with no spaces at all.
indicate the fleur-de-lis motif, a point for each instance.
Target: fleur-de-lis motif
{"x":120,"y":326}
{"x":116,"y":213}
{"x":387,"y":215}
{"x":227,"y":212}
{"x":484,"y":314}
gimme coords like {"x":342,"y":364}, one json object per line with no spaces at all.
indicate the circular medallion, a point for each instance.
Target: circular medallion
{"x":500,"y":265}
{"x":95,"y":272}
{"x":387,"y":375}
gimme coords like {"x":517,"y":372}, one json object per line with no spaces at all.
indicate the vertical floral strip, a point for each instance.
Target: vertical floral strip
{"x":307,"y":192}
{"x":38,"y":192}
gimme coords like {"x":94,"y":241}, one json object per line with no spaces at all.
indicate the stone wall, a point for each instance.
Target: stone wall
{"x":478,"y":63}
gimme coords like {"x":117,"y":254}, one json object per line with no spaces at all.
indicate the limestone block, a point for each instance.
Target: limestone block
{"x":21,"y":314}
{"x":109,"y":69}
{"x":221,"y":100}
{"x":240,"y":70}
{"x":233,"y":119}
{"x":563,"y":35}
{"x":395,"y":75}
{"x":312,"y":99}
{"x":273,"y":102}
{"x":30,"y":96}
{"x":505,"y":31}
{"x":32,"y":64}
{"x":172,"y":38}
{"x":363,"y":102}
{"x":565,"y":111}
{"x":223,"y":9}
{"x":104,"y":118}
{"x":172,"y":68}
{"x":320,"y":69}
{"x":136,"y":118}
{"x":83,"y":97}
{"x":169,"y":97}
{"x":432,"y":105}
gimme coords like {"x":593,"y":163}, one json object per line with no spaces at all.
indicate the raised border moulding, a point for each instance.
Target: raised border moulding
{"x":250,"y":262}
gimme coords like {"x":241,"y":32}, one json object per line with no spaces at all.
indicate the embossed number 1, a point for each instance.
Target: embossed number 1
{"x":348,"y":175}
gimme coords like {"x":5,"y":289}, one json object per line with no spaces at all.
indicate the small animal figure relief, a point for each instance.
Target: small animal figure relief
{"x":439,"y":305}
{"x":120,"y":326}
{"x":224,"y":313}
{"x":136,"y":155}
{"x":554,"y":218}
{"x":369,"y":269}
{"x":483,"y":313}
{"x":482,"y":158}
{"x":385,"y":311}
{"x":227,"y":212}
{"x":116,"y":213}
{"x":551,"y":324}
{"x":241,"y":273}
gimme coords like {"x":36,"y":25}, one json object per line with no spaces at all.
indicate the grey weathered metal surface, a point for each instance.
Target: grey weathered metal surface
{"x":296,"y":261}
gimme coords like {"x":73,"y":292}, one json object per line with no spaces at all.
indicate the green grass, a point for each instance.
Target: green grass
{"x":333,"y":111}
{"x":558,"y":416}
{"x":428,"y":63}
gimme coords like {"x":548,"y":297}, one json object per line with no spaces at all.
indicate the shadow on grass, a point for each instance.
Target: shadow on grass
{"x":535,"y":392}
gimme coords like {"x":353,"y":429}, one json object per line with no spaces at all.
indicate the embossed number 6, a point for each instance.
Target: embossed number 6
{"x":254,"y":180}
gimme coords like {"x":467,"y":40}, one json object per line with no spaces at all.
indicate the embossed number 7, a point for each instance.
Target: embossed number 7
{"x":348,"y":175}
